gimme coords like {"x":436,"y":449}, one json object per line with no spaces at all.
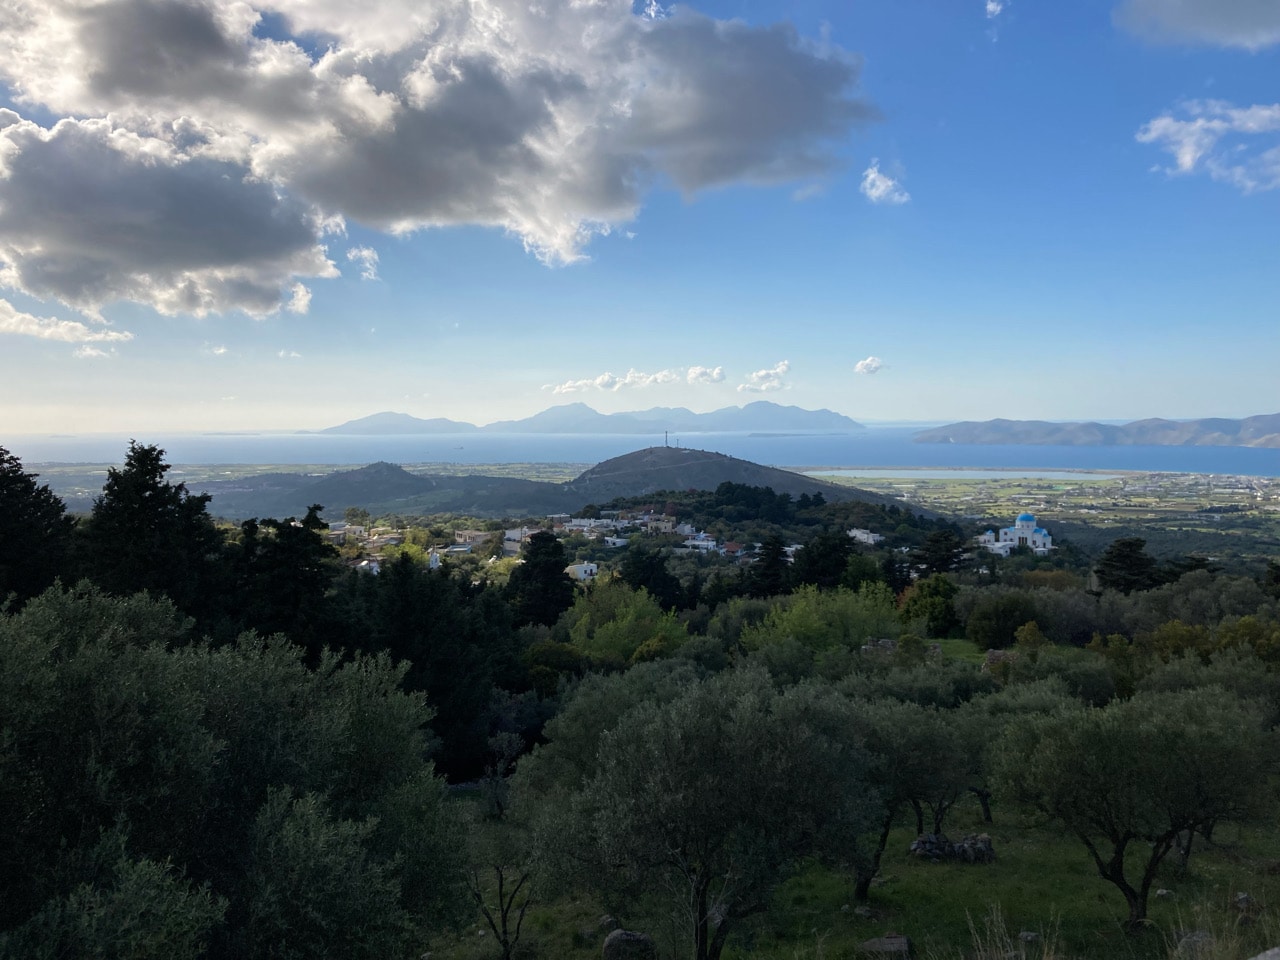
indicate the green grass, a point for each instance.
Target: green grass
{"x":1042,"y":882}
{"x":960,"y":649}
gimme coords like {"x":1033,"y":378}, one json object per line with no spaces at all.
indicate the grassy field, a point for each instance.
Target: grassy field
{"x":1042,"y":882}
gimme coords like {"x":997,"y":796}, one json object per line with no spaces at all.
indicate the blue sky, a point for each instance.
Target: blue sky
{"x":286,"y":215}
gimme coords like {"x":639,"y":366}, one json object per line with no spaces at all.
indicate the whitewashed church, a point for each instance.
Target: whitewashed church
{"x":1023,"y":533}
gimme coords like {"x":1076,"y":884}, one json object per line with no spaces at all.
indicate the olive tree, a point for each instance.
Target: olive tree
{"x":713,"y":795}
{"x":1128,"y":778}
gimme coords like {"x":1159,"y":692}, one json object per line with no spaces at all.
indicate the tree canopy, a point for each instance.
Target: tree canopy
{"x":35,"y":531}
{"x":1139,"y":773}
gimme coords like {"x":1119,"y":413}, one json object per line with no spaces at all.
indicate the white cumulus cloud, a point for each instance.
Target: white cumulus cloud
{"x":869,"y":366}
{"x":879,"y":187}
{"x":994,"y":8}
{"x":636,"y":378}
{"x":196,"y":160}
{"x":1236,"y":145}
{"x":1249,"y":24}
{"x":705,"y":375}
{"x":367,"y":258}
{"x":15,"y":321}
{"x":766,"y":381}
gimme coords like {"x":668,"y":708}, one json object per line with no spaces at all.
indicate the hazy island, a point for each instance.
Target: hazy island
{"x":577,"y":418}
{"x":1259,"y":431}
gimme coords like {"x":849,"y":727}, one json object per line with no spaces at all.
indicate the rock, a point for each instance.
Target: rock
{"x":890,"y":945}
{"x":864,"y":912}
{"x":1272,"y":954}
{"x":1029,"y":936}
{"x":934,"y":847}
{"x":608,"y":923}
{"x":629,"y":945}
{"x":845,"y":908}
{"x":1163,"y":894}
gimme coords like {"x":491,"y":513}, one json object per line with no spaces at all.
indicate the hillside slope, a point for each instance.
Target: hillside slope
{"x":680,"y":468}
{"x":385,"y":488}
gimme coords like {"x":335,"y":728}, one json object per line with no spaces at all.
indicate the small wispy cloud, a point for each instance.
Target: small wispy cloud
{"x":367,"y":258}
{"x":289,"y":355}
{"x":766,"y":381}
{"x":300,"y":298}
{"x":637,"y":378}
{"x":879,"y":187}
{"x":88,"y":352}
{"x":655,"y":11}
{"x":869,"y":366}
{"x":1210,"y":135}
{"x":994,"y":8}
{"x":214,"y":350}
{"x":13,"y":320}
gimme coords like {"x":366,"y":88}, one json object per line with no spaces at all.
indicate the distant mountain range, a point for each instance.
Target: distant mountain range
{"x":760,"y":416}
{"x":387,"y":488}
{"x":1260,"y":431}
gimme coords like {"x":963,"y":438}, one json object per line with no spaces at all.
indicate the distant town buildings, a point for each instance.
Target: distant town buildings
{"x":858,"y":535}
{"x":1023,"y":533}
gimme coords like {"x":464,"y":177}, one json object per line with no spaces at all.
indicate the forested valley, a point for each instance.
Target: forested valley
{"x":228,"y":741}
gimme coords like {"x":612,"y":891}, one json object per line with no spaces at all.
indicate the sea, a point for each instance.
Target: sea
{"x":876,"y":448}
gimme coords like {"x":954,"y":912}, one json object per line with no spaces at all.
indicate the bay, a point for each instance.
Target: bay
{"x":875,"y":447}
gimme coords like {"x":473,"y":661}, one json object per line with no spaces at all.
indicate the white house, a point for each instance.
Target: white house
{"x":582,"y":572}
{"x":864,"y":536}
{"x":1023,"y":533}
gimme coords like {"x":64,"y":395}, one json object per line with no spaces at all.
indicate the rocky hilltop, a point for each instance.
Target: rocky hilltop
{"x":1260,"y":431}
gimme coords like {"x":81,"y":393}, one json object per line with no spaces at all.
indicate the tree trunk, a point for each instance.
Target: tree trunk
{"x":984,"y":799}
{"x":862,"y":881}
{"x":1184,"y":850}
{"x":718,"y":940}
{"x":701,"y":945}
{"x":915,"y":805}
{"x":939,"y":816}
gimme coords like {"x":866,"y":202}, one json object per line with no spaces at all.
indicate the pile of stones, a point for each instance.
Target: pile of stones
{"x":934,"y":847}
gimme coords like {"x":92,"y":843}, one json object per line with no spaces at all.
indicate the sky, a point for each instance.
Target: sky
{"x":252,"y":215}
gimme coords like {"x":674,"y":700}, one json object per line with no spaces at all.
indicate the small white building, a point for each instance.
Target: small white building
{"x":582,"y":572}
{"x":1023,"y":533}
{"x":864,"y":536}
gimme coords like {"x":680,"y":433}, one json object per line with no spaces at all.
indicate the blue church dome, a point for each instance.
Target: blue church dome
{"x":1026,"y":518}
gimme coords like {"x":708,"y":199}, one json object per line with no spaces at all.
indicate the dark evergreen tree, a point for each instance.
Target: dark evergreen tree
{"x":769,"y":575}
{"x":539,"y":590}
{"x":896,"y":572}
{"x":645,"y":568}
{"x":823,"y":560}
{"x":35,"y":532}
{"x":147,"y":534}
{"x":1126,"y":566}
{"x":941,"y":552}
{"x":282,"y":570}
{"x":1271,"y":579}
{"x":456,"y":640}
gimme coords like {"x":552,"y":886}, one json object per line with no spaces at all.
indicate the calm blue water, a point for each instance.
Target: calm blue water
{"x":875,"y":447}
